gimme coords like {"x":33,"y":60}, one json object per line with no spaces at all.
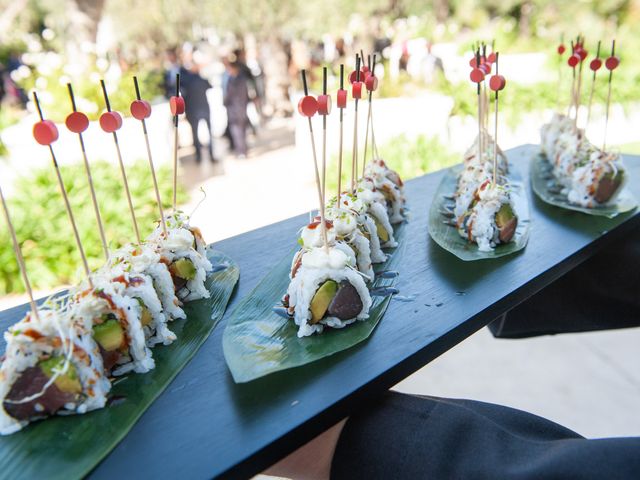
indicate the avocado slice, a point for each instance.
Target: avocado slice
{"x":183,"y":268}
{"x":504,"y":215}
{"x":507,"y":222}
{"x":67,"y":382}
{"x":145,"y":315}
{"x":382,"y":232}
{"x":109,"y":335}
{"x":321,"y":300}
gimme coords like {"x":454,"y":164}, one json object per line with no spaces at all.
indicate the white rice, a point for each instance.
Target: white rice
{"x":23,"y":352}
{"x":304,"y":286}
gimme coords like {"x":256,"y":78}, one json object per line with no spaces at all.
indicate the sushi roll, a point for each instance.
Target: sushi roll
{"x":491,"y":220}
{"x":587,"y":176}
{"x":183,"y":250}
{"x":347,"y":230}
{"x":144,"y":259}
{"x":375,"y":203}
{"x":390,"y":185}
{"x":116,"y":320}
{"x":366,"y":223}
{"x":327,"y":291}
{"x":51,"y":365}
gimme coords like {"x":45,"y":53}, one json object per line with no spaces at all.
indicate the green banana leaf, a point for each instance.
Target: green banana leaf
{"x":257,"y":341}
{"x":542,"y":181}
{"x":447,"y":236}
{"x":71,"y":446}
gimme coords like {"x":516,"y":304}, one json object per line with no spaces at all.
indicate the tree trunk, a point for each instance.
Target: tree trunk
{"x":526,"y":11}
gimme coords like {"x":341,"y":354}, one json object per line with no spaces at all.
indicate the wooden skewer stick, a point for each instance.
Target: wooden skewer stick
{"x":324,"y":139}
{"x":175,"y":149}
{"x":67,"y":205}
{"x":323,"y":226}
{"x":495,"y":134}
{"x":479,"y":110}
{"x":341,"y":135}
{"x":606,"y":118}
{"x":573,"y":85}
{"x":87,"y":168}
{"x":560,"y":51}
{"x":369,"y":123}
{"x":163,"y":221}
{"x":354,"y":156}
{"x":19,"y":257}
{"x":122,"y":169}
{"x":579,"y":89}
{"x":593,"y":83}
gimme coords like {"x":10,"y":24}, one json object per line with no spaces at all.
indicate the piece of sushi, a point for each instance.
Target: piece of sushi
{"x":145,"y":260}
{"x":327,"y":291}
{"x":347,"y":229}
{"x":366,"y":223}
{"x":390,"y":185}
{"x":587,"y":176}
{"x":375,"y":203}
{"x":117,"y":324}
{"x":51,"y":365}
{"x":491,"y":220}
{"x":184,"y":252}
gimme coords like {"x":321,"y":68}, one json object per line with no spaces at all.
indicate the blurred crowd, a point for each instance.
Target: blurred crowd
{"x":258,"y":81}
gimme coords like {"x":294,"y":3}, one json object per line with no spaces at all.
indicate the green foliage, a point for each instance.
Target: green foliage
{"x":409,"y":157}
{"x":43,"y":228}
{"x":52,"y":81}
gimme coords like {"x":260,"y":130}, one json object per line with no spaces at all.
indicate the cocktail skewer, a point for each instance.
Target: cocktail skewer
{"x":19,"y":257}
{"x":324,"y":109}
{"x":371,"y":83}
{"x":307,"y":107}
{"x":595,"y":65}
{"x":477,"y":77}
{"x":356,"y":93}
{"x":177,"y":105}
{"x":110,"y":122}
{"x":582,"y":53}
{"x":573,"y":61}
{"x":561,"y":49}
{"x":141,"y":110}
{"x":496,"y":83}
{"x":45,"y":132}
{"x":78,"y":122}
{"x":611,"y":64}
{"x":341,"y":101}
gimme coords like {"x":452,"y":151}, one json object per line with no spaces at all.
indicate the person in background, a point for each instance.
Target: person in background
{"x":194,"y":90}
{"x":236,"y":100}
{"x":252,"y":87}
{"x":172,"y":68}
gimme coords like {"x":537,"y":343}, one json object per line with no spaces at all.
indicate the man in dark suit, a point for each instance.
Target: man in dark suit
{"x":194,"y":90}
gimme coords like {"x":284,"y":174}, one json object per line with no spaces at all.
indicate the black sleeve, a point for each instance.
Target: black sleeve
{"x":408,"y":437}
{"x":601,"y":293}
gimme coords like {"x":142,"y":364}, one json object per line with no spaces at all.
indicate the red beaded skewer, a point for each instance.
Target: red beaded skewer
{"x":561,"y":49}
{"x":141,"y":110}
{"x":308,"y":107}
{"x":582,"y":53}
{"x":324,"y":109}
{"x":477,"y":77}
{"x":573,"y":61}
{"x":611,"y":64}
{"x":78,"y":122}
{"x":177,"y":106}
{"x":45,"y":133}
{"x":110,"y":122}
{"x":594,"y":65}
{"x":356,"y":93}
{"x":341,"y":102}
{"x":371,"y":83}
{"x":496,"y":83}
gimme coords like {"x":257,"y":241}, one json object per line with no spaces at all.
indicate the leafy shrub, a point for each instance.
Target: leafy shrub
{"x":43,"y":228}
